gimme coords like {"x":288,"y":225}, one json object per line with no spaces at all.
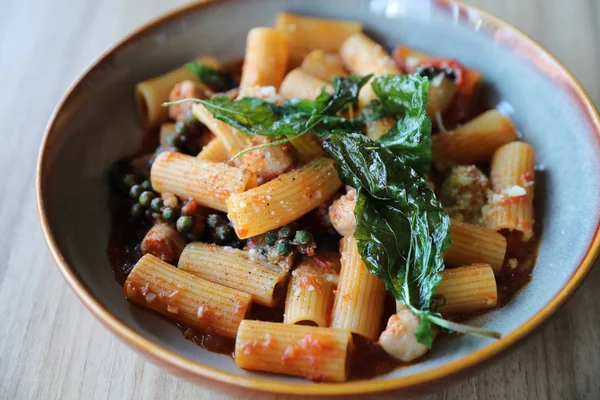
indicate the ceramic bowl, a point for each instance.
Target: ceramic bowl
{"x":96,"y":123}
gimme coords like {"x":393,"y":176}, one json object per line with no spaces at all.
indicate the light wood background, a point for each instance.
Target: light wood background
{"x":51,"y":347}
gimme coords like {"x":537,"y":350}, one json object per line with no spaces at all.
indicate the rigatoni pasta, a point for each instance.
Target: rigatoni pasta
{"x":311,"y":352}
{"x":472,"y":244}
{"x":210,"y":184}
{"x":323,"y":65}
{"x":310,"y":294}
{"x":176,"y":294}
{"x":363,"y":56}
{"x":151,"y":94}
{"x":300,"y":84}
{"x":215,"y":151}
{"x":359,"y":297}
{"x":513,"y":180}
{"x":284,"y":199}
{"x":233,"y":140}
{"x":307,"y":148}
{"x":309,"y":33}
{"x":379,"y":127}
{"x":266,"y":58}
{"x":236,"y":269}
{"x":467,"y":289}
{"x":474,"y":142}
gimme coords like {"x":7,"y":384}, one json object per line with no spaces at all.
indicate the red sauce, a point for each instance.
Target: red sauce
{"x":208,"y":340}
{"x":511,"y":280}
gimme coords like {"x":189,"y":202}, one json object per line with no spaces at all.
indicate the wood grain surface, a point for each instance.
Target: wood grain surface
{"x":51,"y":347}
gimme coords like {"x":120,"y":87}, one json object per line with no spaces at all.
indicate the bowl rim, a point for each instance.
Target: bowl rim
{"x":194,"y":370}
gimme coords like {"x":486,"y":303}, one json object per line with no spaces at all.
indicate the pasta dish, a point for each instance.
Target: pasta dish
{"x":323,"y":208}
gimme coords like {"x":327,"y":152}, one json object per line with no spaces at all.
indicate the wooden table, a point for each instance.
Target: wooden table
{"x":51,"y":347}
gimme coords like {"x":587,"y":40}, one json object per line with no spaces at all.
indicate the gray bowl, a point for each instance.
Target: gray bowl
{"x":96,"y":123}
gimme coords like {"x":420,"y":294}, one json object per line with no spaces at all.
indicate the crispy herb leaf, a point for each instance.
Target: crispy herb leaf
{"x":404,"y":98}
{"x":219,"y":80}
{"x":258,"y":117}
{"x":401,"y":227}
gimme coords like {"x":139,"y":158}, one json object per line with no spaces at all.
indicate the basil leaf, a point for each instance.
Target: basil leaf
{"x":251,"y":116}
{"x":258,"y":117}
{"x":401,"y":227}
{"x":404,"y":97}
{"x":219,"y":80}
{"x":345,"y":92}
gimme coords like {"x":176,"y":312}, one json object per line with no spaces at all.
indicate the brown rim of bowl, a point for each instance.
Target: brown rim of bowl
{"x":192,"y":369}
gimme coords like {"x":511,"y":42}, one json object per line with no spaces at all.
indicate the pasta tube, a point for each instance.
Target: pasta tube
{"x":265,"y":62}
{"x":310,"y":294}
{"x":363,"y":56}
{"x":283,"y":199}
{"x":308,"y":351}
{"x":233,"y":140}
{"x":152,"y":93}
{"x":307,"y":148}
{"x":308,"y":33}
{"x":237,"y":269}
{"x":183,"y":297}
{"x":322,"y":65}
{"x":358,"y":304}
{"x":215,"y":151}
{"x":467,"y":289}
{"x":512,"y":174}
{"x":475,"y":244}
{"x":474,"y":142}
{"x":209,"y":184}
{"x":302,"y":85}
{"x":379,"y":127}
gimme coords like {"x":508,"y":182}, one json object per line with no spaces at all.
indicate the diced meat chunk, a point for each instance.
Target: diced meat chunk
{"x":398,"y":339}
{"x":341,"y":213}
{"x":186,"y":90}
{"x":269,"y":162}
{"x":464,"y":193}
{"x":163,"y":242}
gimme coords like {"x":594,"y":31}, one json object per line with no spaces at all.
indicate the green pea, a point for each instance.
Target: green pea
{"x":137,"y":210}
{"x":146,"y":185}
{"x":283,"y":247}
{"x":146,"y":198}
{"x":181,"y":128}
{"x":214,"y":220}
{"x":303,"y":237}
{"x":156,"y":204}
{"x":136,"y":191}
{"x":185,"y":224}
{"x":169,"y":214}
{"x":148,"y":213}
{"x":130,"y":180}
{"x":285,"y":233}
{"x":270,"y":238}
{"x":223,"y":233}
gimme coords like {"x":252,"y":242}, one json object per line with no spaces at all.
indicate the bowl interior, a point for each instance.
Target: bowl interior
{"x":98,"y":124}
